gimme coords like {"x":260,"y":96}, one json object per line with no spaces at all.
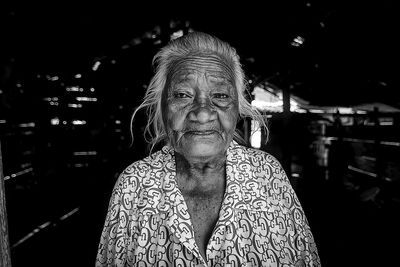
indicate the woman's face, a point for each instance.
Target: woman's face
{"x":200,"y":106}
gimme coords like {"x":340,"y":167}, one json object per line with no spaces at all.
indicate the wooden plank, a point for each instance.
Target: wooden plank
{"x":5,"y":258}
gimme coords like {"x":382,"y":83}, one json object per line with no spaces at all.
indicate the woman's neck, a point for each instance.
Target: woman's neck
{"x":200,"y":177}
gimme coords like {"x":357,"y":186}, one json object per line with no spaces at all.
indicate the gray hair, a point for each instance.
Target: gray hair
{"x":193,"y":42}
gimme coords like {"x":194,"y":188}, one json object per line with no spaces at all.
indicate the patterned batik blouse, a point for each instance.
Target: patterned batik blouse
{"x":261,"y":222}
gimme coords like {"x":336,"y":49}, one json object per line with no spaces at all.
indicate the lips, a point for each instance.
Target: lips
{"x":207,"y":132}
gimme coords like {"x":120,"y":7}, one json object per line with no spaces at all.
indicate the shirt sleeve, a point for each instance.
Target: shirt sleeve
{"x":112,"y":247}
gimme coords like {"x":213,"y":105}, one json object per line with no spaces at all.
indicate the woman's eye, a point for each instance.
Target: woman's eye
{"x":221,"y":96}
{"x":181,"y":95}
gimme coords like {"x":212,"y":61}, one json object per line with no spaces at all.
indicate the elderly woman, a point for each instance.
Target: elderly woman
{"x":203,"y":199}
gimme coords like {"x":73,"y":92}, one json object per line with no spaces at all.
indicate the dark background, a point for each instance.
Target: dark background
{"x":348,"y":57}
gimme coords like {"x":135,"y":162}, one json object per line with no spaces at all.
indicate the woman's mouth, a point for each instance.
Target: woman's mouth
{"x":201,"y":132}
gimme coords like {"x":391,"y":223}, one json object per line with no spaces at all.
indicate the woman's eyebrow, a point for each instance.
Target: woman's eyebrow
{"x":219,"y":78}
{"x":222,"y":84}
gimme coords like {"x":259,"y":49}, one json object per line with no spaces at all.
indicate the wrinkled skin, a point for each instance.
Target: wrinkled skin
{"x":200,"y":107}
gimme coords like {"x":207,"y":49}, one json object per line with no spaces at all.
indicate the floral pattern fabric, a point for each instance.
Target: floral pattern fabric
{"x":261,"y":221}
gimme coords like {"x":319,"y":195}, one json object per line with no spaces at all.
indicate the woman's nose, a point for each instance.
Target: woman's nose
{"x":203,"y":113}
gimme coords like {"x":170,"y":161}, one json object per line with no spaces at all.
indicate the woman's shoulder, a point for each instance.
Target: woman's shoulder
{"x":133,"y":175}
{"x":263,"y":179}
{"x":256,"y":156}
{"x":264,"y":166}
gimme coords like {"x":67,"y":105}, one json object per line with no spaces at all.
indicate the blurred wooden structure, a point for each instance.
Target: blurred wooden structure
{"x":5,"y":258}
{"x":362,"y":151}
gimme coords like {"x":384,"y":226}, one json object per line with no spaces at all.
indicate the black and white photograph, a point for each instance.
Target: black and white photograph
{"x":199,"y":133}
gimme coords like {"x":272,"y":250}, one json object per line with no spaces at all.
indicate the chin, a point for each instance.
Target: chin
{"x":204,"y":150}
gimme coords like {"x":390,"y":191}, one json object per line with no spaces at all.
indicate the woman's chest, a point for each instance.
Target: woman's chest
{"x":204,"y":214}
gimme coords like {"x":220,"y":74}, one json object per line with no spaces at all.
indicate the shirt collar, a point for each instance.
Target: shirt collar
{"x":238,"y":171}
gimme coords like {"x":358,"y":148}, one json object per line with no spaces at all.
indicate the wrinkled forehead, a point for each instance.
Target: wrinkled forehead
{"x":212,"y":66}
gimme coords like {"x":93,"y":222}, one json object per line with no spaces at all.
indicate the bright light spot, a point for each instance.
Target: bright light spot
{"x":64,"y":122}
{"x":177,"y":34}
{"x":50,"y":98}
{"x":55,"y":121}
{"x":117,"y":122}
{"x":92,"y":89}
{"x":276,"y":106}
{"x":96,"y":65}
{"x":3,"y":121}
{"x":19,"y":85}
{"x":361,"y":112}
{"x":255,"y":137}
{"x":73,"y":89}
{"x":264,"y":105}
{"x":52,"y":78}
{"x":78,"y":122}
{"x":113,"y":61}
{"x":267,"y":101}
{"x":84,"y":98}
{"x":28,"y":170}
{"x":75,"y":105}
{"x":78,"y":76}
{"x":385,"y":121}
{"x":79,"y":165}
{"x":69,"y":214}
{"x":26,"y":125}
{"x":297,"y":41}
{"x":345,"y":110}
{"x":316,"y":111}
